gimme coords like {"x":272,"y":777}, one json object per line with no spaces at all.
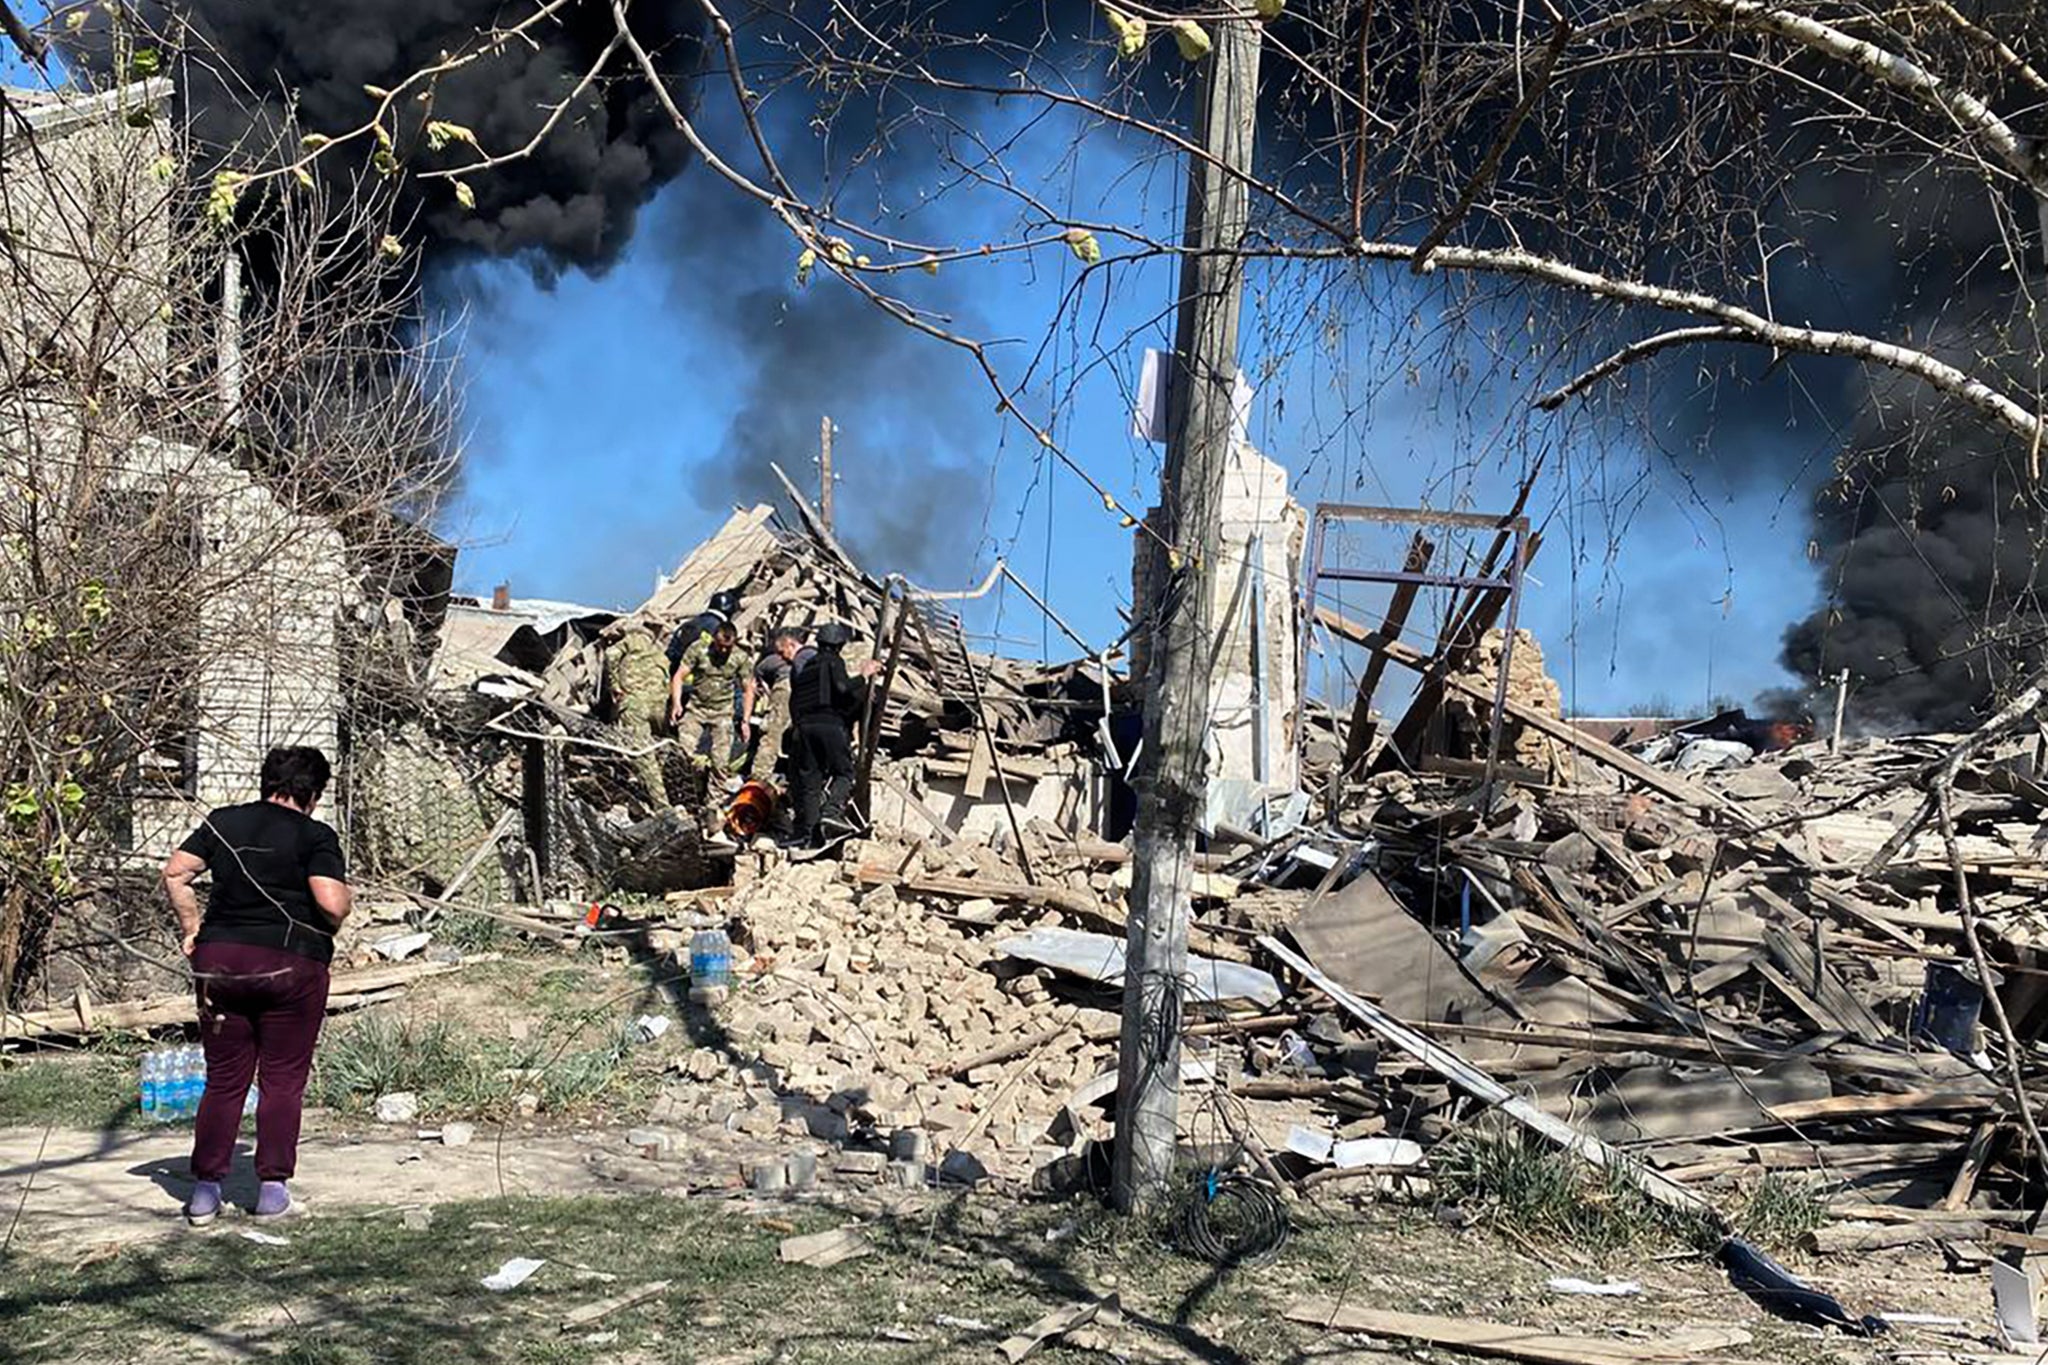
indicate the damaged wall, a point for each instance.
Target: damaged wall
{"x":1253,"y":605}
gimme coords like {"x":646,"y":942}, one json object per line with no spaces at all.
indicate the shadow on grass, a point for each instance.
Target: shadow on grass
{"x":366,"y":1288}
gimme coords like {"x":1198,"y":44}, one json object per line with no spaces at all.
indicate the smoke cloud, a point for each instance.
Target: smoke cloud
{"x":573,"y":203}
{"x":1931,"y":553}
{"x":910,"y":413}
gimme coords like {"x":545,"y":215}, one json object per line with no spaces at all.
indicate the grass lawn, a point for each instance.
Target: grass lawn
{"x":353,"y":1288}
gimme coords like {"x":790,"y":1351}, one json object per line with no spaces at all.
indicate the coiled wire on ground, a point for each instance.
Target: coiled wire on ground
{"x":1234,"y":1220}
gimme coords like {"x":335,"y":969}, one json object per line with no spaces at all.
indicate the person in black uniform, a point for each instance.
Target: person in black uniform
{"x":824,"y":701}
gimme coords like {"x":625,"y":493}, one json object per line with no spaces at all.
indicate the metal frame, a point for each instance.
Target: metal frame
{"x":1513,"y":525}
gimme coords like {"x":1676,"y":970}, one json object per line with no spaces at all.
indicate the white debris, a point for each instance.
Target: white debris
{"x":401,"y":1106}
{"x":1613,"y":1289}
{"x":512,"y":1274}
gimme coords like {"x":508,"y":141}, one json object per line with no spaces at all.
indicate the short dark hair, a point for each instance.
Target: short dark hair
{"x":789,"y":633}
{"x":725,"y":633}
{"x":297,"y":772}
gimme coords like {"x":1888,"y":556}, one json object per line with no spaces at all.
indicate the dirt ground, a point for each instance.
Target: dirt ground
{"x":398,"y":1232}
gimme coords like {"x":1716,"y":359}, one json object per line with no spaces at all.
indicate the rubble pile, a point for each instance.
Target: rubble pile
{"x":900,"y":1015}
{"x":1719,"y":968}
{"x":1470,"y":712}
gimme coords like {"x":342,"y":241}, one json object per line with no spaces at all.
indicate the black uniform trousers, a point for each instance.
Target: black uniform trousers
{"x":824,"y":772}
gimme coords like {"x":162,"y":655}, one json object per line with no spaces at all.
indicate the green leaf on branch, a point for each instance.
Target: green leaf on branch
{"x":1130,"y":31}
{"x":440,"y":134}
{"x":95,"y":607}
{"x":20,"y":801}
{"x":226,"y":193}
{"x":464,"y":195}
{"x":1192,"y":40}
{"x":1082,"y":243}
{"x":146,"y":62}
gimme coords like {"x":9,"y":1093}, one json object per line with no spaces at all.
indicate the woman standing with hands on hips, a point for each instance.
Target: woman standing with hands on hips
{"x":259,"y":959}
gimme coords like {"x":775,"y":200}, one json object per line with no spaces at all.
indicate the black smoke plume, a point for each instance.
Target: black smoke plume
{"x":913,"y":482}
{"x":572,"y":203}
{"x":1930,"y":547}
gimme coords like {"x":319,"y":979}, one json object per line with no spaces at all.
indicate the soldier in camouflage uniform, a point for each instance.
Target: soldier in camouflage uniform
{"x":713,"y":678}
{"x":638,"y":676}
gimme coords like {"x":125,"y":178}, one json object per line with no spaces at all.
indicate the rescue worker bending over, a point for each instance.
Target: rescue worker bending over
{"x":824,"y":702}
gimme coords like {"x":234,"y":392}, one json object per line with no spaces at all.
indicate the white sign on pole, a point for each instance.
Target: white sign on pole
{"x":1149,"y":414}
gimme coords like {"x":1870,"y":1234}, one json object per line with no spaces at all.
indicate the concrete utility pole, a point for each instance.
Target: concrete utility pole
{"x":1172,"y":777}
{"x":825,"y":471}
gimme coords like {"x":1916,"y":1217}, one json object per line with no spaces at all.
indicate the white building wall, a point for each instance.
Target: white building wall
{"x":1263,"y":530}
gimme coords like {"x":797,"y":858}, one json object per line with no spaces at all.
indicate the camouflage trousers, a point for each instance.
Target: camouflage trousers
{"x":641,"y":726}
{"x":712,"y":724}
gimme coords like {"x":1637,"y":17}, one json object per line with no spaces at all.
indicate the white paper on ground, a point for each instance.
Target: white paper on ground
{"x":1570,"y":1284}
{"x":1376,"y":1151}
{"x":265,"y":1239}
{"x":512,"y":1274}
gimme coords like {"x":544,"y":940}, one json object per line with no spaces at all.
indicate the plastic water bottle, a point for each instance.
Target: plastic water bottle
{"x":710,"y":959}
{"x":195,"y":1080}
{"x":186,"y":1084}
{"x":150,"y":1088}
{"x":249,"y":1101}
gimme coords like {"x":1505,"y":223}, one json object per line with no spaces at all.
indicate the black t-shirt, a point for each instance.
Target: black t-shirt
{"x":260,"y":855}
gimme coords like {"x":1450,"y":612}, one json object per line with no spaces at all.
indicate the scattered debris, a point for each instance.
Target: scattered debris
{"x":578,"y":1318}
{"x":1472,"y":1336}
{"x":1616,"y":1289}
{"x":1054,"y":1325}
{"x":511,"y":1275}
{"x":823,"y":1250}
{"x":400,"y":1106}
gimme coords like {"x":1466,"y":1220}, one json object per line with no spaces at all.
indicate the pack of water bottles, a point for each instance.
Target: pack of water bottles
{"x":173,"y":1080}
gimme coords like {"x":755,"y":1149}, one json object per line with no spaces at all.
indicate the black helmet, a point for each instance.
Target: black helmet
{"x":834,"y":635}
{"x":725,"y":602}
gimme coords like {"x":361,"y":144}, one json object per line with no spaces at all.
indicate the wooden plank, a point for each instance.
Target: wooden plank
{"x":1816,"y":1013}
{"x":1806,"y":966}
{"x":1974,"y":1157}
{"x":1478,"y":1084}
{"x":1877,"y":1106}
{"x":577,"y":1318}
{"x":1845,"y":909}
{"x":1616,"y":852}
{"x":720,"y":562}
{"x":979,"y":765}
{"x":1627,"y":764}
{"x":1506,"y":1341}
{"x":1711,"y":979}
{"x":164,"y":1011}
{"x":1835,"y":1238}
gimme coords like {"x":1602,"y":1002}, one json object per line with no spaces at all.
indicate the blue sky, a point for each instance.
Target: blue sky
{"x":603,"y":415}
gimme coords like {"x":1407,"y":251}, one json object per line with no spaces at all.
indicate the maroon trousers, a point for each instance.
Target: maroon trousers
{"x":260,"y":1011}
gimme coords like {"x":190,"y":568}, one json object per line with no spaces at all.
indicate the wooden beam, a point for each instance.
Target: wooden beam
{"x":1560,"y":730}
{"x":1481,"y":1086}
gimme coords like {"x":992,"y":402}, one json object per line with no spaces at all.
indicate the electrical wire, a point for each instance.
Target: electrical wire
{"x":1234,"y":1220}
